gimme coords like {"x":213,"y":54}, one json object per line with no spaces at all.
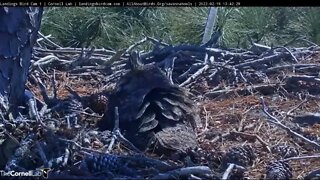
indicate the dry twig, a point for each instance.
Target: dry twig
{"x":183,"y":172}
{"x":275,"y":121}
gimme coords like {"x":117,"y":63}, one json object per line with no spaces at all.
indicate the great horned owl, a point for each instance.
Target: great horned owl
{"x":152,"y":111}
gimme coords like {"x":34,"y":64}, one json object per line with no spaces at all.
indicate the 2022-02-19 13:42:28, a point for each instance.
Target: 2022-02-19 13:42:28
{"x":218,"y":3}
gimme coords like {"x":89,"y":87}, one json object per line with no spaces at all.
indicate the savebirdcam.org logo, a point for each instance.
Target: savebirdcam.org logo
{"x":31,"y":173}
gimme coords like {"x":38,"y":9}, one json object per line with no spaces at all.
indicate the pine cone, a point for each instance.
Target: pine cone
{"x":239,"y":174}
{"x":107,"y":164}
{"x":204,"y":156}
{"x":278,"y":170}
{"x":241,"y":155}
{"x":69,"y":106}
{"x":97,"y":102}
{"x":72,"y":105}
{"x":285,"y":151}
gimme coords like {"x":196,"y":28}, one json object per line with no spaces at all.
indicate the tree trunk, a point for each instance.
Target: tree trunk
{"x":18,"y":32}
{"x":210,"y":24}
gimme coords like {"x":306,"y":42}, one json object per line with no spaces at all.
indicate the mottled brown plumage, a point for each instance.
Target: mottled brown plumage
{"x":152,"y":111}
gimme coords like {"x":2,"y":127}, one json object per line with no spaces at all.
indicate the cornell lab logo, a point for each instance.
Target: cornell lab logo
{"x":45,"y":172}
{"x":32,"y":173}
